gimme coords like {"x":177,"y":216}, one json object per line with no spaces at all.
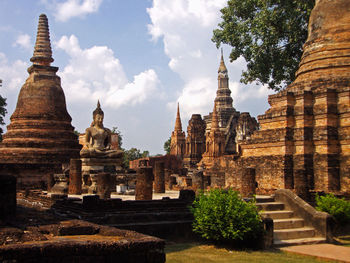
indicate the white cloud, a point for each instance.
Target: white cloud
{"x":73,"y":8}
{"x":185,"y":27}
{"x":95,"y":73}
{"x":13,"y":74}
{"x":23,"y":41}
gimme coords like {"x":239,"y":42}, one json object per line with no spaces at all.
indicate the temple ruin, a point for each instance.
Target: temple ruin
{"x":303,"y":139}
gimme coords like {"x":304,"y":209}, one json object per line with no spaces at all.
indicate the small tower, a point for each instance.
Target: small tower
{"x":215,"y":141}
{"x":177,"y":145}
{"x":195,"y":140}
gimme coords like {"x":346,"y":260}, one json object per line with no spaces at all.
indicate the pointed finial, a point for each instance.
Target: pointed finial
{"x":42,"y":51}
{"x":178,"y":125}
{"x":98,"y":104}
{"x":222,"y":67}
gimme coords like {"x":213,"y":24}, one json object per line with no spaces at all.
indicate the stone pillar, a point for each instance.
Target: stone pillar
{"x":159,"y":179}
{"x":197,"y":180}
{"x":248,"y":183}
{"x":301,"y":184}
{"x":104,"y":185}
{"x":75,"y":178}
{"x":144,"y":181}
{"x":7,"y":196}
{"x":167,"y":173}
{"x":50,"y":182}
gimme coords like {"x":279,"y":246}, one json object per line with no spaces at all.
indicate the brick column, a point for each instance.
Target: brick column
{"x":103,"y":185}
{"x":167,"y":173}
{"x":144,"y":181}
{"x":248,"y":182}
{"x":75,"y":179}
{"x":159,"y":179}
{"x":301,"y":184}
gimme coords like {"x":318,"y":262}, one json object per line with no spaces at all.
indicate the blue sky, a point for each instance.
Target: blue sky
{"x":138,"y":57}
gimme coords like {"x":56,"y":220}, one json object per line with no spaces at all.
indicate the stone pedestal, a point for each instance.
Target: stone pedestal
{"x":248,"y":183}
{"x":7,"y":196}
{"x":93,"y":187}
{"x":98,"y":165}
{"x":159,"y":179}
{"x":61,"y":184}
{"x":75,"y":178}
{"x":144,"y":182}
{"x":104,"y":185}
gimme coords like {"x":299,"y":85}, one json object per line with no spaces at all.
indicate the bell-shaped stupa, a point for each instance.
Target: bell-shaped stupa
{"x":40,"y":133}
{"x":326,"y":56}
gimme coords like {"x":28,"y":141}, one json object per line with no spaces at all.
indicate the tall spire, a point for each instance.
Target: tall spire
{"x":214,"y":119}
{"x":42,"y":50}
{"x":178,"y":126}
{"x":222,"y":67}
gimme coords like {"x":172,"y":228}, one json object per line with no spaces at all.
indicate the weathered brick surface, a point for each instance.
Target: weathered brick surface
{"x":159,"y":179}
{"x":40,"y":131}
{"x":144,"y":182}
{"x":75,"y":177}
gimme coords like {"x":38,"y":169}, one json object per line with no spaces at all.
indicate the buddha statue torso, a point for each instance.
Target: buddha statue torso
{"x":98,"y":139}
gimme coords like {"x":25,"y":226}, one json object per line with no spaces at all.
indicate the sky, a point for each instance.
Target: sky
{"x":138,"y":57}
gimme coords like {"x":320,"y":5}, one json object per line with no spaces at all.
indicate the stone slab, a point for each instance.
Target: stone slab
{"x":323,"y":251}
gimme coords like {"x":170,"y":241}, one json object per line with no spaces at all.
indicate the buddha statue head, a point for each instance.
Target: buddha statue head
{"x":98,"y":116}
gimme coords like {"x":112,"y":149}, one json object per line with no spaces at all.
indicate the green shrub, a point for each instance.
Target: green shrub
{"x":337,"y":207}
{"x":221,"y":215}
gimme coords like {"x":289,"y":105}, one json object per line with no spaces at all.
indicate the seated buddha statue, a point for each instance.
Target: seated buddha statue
{"x":98,"y":139}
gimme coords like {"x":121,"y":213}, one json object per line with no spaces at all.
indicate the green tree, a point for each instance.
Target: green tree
{"x":3,"y":112}
{"x":167,"y":146}
{"x":268,"y":34}
{"x":133,"y":154}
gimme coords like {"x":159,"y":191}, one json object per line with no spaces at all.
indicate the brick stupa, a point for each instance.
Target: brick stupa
{"x":40,"y":137}
{"x":304,"y":138}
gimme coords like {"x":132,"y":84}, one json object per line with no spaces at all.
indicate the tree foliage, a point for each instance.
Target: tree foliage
{"x":268,"y":34}
{"x":337,"y":207}
{"x":133,"y":154}
{"x":167,"y":146}
{"x":3,"y":112}
{"x":120,"y":136}
{"x":222,"y":215}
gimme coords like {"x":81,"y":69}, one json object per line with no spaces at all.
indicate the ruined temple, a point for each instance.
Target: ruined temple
{"x":195,"y":141}
{"x":304,"y":137}
{"x":177,"y":145}
{"x":227,"y":115}
{"x":40,"y":137}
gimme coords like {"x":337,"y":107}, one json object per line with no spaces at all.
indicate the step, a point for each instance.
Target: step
{"x":293,"y":233}
{"x":288,"y":223}
{"x":270,"y":206}
{"x":299,"y":241}
{"x":277,"y":214}
{"x":264,"y":199}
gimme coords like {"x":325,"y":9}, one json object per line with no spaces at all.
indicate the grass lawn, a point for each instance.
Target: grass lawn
{"x":200,"y":252}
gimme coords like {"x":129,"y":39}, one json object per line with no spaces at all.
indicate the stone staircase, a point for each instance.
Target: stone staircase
{"x":289,"y":229}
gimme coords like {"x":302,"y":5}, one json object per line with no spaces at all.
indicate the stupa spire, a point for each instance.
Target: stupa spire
{"x":42,"y":51}
{"x":214,"y":120}
{"x":178,"y":126}
{"x":222,"y":67}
